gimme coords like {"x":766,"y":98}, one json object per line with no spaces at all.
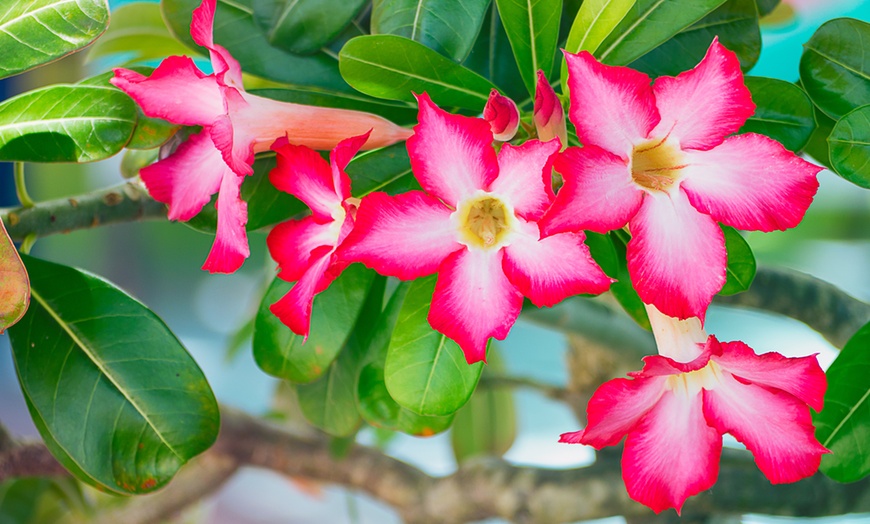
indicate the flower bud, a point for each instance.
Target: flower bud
{"x":503,"y":116}
{"x":549,"y":115}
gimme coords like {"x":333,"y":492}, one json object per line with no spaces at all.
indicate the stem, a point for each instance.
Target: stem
{"x":20,"y":188}
{"x":27,"y":243}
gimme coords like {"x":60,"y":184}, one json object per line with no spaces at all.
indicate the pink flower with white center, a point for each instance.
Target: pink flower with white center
{"x":659,"y":158}
{"x":503,"y":116}
{"x":677,"y":408}
{"x":235,"y":125}
{"x":475,"y":224}
{"x":305,"y":249}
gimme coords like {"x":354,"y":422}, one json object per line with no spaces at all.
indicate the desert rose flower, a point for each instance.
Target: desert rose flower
{"x":503,"y":116}
{"x":663,"y":160}
{"x":548,"y":113}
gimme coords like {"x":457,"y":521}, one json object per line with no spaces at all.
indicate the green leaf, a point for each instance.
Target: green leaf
{"x":783,"y":112}
{"x":115,"y":396}
{"x":37,"y":500}
{"x":14,"y":284}
{"x":844,"y":424}
{"x":35,"y":32}
{"x":387,"y":169}
{"x":622,"y":289}
{"x":595,"y":20}
{"x":136,"y":33}
{"x":532,"y":27}
{"x":328,"y":403}
{"x":741,"y":263}
{"x":425,"y":371}
{"x":735,"y":23}
{"x":447,"y":26}
{"x":835,"y":67}
{"x":392,"y":67}
{"x":649,"y":24}
{"x":304,"y":26}
{"x":492,"y":57}
{"x":818,"y":147}
{"x":765,"y":7}
{"x":850,"y":147}
{"x":65,"y":123}
{"x":284,"y":354}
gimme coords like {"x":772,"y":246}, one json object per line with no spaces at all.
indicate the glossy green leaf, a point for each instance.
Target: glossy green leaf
{"x":740,"y":271}
{"x":14,"y":284}
{"x":532,"y":27}
{"x":35,"y":32}
{"x":835,"y":66}
{"x":850,"y":147}
{"x":817,"y":147}
{"x":329,"y":402}
{"x":594,"y":22}
{"x":115,"y":396}
{"x":425,"y":371}
{"x":622,"y":289}
{"x":843,"y":426}
{"x":284,"y":354}
{"x":387,"y":169}
{"x":304,"y":26}
{"x":136,"y":33}
{"x":447,"y":26}
{"x":649,"y":24}
{"x":134,"y":160}
{"x":392,"y":67}
{"x":735,"y":23}
{"x":492,"y":57}
{"x":783,"y":112}
{"x":38,"y":500}
{"x":65,"y":123}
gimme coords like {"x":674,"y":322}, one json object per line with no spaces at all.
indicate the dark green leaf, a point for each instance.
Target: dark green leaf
{"x":835,"y":66}
{"x":14,"y":285}
{"x":850,"y":147}
{"x":603,"y":252}
{"x":392,"y":67}
{"x":843,"y":426}
{"x":622,"y":289}
{"x":66,"y":124}
{"x":766,"y":6}
{"x":329,"y":402}
{"x":447,"y":26}
{"x":783,"y":112}
{"x":425,"y":371}
{"x":492,"y":57}
{"x":136,"y":33}
{"x":38,"y":500}
{"x":741,"y":263}
{"x":304,"y":26}
{"x":387,"y":169}
{"x":35,"y":32}
{"x":114,"y":394}
{"x":533,"y":29}
{"x":818,"y":147}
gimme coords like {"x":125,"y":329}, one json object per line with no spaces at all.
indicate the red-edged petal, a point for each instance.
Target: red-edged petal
{"x":801,"y":377}
{"x":550,"y":269}
{"x":294,"y":308}
{"x":676,"y":257}
{"x":230,"y":248}
{"x":548,"y":113}
{"x":502,"y":115}
{"x":525,"y":176}
{"x":176,"y":91}
{"x":340,"y":157}
{"x":672,"y":454}
{"x":775,"y":426}
{"x":236,"y":146}
{"x":611,"y":107}
{"x":474,"y":301}
{"x":405,"y":236}
{"x":303,"y":173}
{"x":700,"y":107}
{"x":187,"y":178}
{"x":451,"y":155}
{"x":202,"y":31}
{"x":615,"y":409}
{"x":750,"y":182}
{"x":291,"y":244}
{"x":599,"y":193}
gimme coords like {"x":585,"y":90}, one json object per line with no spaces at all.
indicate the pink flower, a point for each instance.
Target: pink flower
{"x":677,"y":408}
{"x":503,"y":116}
{"x":660,"y":159}
{"x":548,"y":113}
{"x":235,"y":125}
{"x":305,"y":249}
{"x":476,"y":225}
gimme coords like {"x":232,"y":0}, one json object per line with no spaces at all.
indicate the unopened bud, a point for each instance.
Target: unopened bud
{"x":548,"y":114}
{"x":503,"y":116}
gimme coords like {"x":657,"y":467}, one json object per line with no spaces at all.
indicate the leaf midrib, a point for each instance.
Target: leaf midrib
{"x":846,"y":418}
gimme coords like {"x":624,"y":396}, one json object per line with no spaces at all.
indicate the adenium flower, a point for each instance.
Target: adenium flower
{"x":305,"y":249}
{"x":548,"y":113}
{"x":475,"y":224}
{"x":235,"y":125}
{"x":677,"y":408}
{"x":659,"y":158}
{"x":503,"y":116}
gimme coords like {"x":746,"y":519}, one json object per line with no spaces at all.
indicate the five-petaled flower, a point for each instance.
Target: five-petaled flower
{"x":235,"y":125}
{"x":658,"y":158}
{"x":676,"y":409}
{"x":476,"y":225}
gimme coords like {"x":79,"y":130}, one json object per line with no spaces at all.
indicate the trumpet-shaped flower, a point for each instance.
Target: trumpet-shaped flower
{"x":305,"y":249}
{"x":235,"y":126}
{"x":659,"y":158}
{"x":475,"y":224}
{"x":503,"y":116}
{"x":675,"y":411}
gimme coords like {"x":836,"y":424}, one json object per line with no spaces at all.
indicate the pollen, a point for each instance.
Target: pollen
{"x":484,"y":221}
{"x":656,"y":165}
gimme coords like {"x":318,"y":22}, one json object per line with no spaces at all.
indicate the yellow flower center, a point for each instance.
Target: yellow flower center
{"x":484,"y":221}
{"x":693,"y":382}
{"x":656,"y":165}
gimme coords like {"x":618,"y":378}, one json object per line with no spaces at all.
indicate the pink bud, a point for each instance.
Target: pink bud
{"x":503,"y":116}
{"x":549,"y":115}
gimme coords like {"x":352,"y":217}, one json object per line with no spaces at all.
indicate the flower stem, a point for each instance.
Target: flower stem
{"x":20,"y":188}
{"x":28,"y":242}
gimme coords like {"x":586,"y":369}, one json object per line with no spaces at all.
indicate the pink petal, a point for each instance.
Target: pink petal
{"x":304,"y":174}
{"x":202,"y":31}
{"x":502,"y":115}
{"x":672,"y":454}
{"x":187,"y":178}
{"x":340,"y":157}
{"x":611,"y":107}
{"x":548,"y":113}
{"x":405,"y":236}
{"x":230,"y":248}
{"x":750,"y":182}
{"x":176,"y":91}
{"x":451,"y":155}
{"x":549,"y":270}
{"x":474,"y":301}
{"x":676,"y":257}
{"x":294,"y":308}
{"x":291,"y":244}
{"x":599,"y":193}
{"x":775,"y":426}
{"x":525,"y":174}
{"x":235,"y":145}
{"x":702,"y":106}
{"x":801,"y":377}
